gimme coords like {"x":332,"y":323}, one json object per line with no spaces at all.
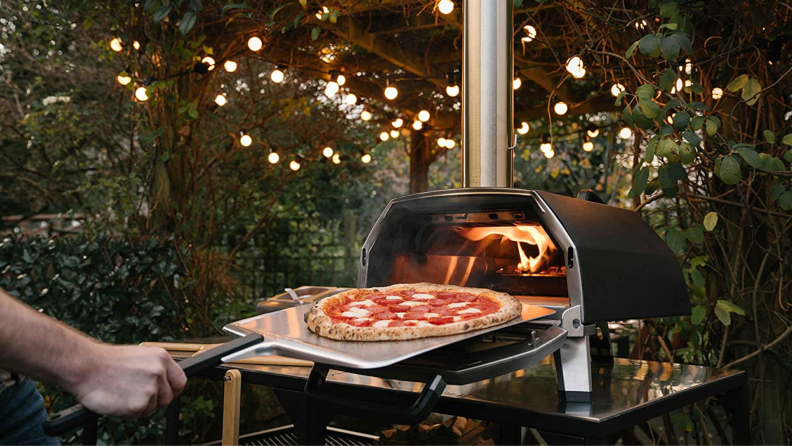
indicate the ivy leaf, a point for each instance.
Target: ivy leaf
{"x":787,"y":140}
{"x":666,"y":177}
{"x":675,"y":240}
{"x":315,"y":33}
{"x":749,"y":155}
{"x":668,"y":79}
{"x":730,"y":307}
{"x":722,"y":314}
{"x":681,"y":120}
{"x":695,"y":234}
{"x":187,"y":22}
{"x":711,"y":126}
{"x":788,"y":155}
{"x":785,"y":200}
{"x":684,"y":42}
{"x":776,"y":191}
{"x":650,"y":148}
{"x":696,"y":123}
{"x":668,"y":10}
{"x":729,"y":171}
{"x":698,"y":105}
{"x":769,"y":136}
{"x":649,"y":44}
{"x":692,"y":138}
{"x":161,"y":13}
{"x":686,"y":153}
{"x":710,"y":221}
{"x":645,"y":92}
{"x":639,"y":182}
{"x":649,"y":108}
{"x":737,"y":83}
{"x":669,"y":48}
{"x":698,"y":315}
{"x":631,"y":49}
{"x":751,"y":89}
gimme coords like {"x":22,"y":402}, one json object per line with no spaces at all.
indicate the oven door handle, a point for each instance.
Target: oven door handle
{"x":77,"y":415}
{"x":316,"y":387}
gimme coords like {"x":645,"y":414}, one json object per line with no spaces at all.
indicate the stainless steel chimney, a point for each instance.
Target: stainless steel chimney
{"x":487,"y":109}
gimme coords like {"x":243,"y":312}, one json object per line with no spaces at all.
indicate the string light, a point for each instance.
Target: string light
{"x":230,"y":66}
{"x":560,"y":108}
{"x":208,"y":61}
{"x":441,"y":142}
{"x":328,"y":152}
{"x":549,"y":154}
{"x":588,"y":146}
{"x":424,"y":115}
{"x":336,"y":159}
{"x":273,"y":157}
{"x":445,"y":6}
{"x":365,"y":115}
{"x":516,"y":83}
{"x":450,"y":143}
{"x":255,"y":44}
{"x":341,"y":79}
{"x":384,"y":136}
{"x":394,"y":134}
{"x":391,"y":92}
{"x":530,"y":33}
{"x":546,"y":147}
{"x":575,"y":67}
{"x":398,"y":123}
{"x":592,"y":131}
{"x":123,"y":79}
{"x":115,"y":45}
{"x":524,"y":128}
{"x":365,"y":158}
{"x":277,"y":75}
{"x":331,"y":89}
{"x":294,"y":165}
{"x":678,"y":86}
{"x":616,"y":89}
{"x":452,"y":89}
{"x":221,"y":100}
{"x":417,"y":125}
{"x":688,"y":66}
{"x":640,"y":25}
{"x":136,"y":45}
{"x":245,"y":140}
{"x":625,"y":133}
{"x":141,"y":94}
{"x":717,"y":93}
{"x":351,"y":99}
{"x":323,"y":11}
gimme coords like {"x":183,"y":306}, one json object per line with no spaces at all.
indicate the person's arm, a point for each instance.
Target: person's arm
{"x":125,"y":381}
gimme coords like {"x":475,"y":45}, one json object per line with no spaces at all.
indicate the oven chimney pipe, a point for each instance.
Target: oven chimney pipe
{"x":487,"y":96}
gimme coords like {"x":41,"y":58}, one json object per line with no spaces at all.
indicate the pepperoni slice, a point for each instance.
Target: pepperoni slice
{"x":399,"y":308}
{"x":374,"y":309}
{"x":359,"y":322}
{"x":420,"y":309}
{"x":414,"y":315}
{"x":406,"y":293}
{"x":465,"y":297}
{"x":440,"y":302}
{"x":396,"y":324}
{"x":385,"y":315}
{"x":440,"y":320}
{"x":445,"y":311}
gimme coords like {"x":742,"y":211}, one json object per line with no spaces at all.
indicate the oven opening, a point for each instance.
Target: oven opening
{"x":503,"y":251}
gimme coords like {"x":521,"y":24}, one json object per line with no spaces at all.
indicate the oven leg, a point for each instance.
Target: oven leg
{"x":736,"y":401}
{"x":310,"y":420}
{"x":509,"y":434}
{"x":573,"y":370}
{"x":172,"y":421}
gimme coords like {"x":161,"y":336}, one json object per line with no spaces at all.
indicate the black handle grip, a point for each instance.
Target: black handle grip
{"x":413,"y":413}
{"x":77,"y":415}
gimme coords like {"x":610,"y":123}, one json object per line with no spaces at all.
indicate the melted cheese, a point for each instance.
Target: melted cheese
{"x":424,"y":324}
{"x":381,"y":324}
{"x":457,"y":318}
{"x":393,"y":298}
{"x":423,"y":296}
{"x":356,"y":312}
{"x":429,"y":315}
{"x":470,"y":310}
{"x":413,"y":304}
{"x":400,"y":315}
{"x":458,"y":304}
{"x":358,"y":303}
{"x":363,"y":319}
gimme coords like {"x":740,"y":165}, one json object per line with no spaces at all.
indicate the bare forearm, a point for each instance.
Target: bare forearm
{"x":41,"y":347}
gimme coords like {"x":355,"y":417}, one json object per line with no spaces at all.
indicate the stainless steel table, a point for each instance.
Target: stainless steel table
{"x":626,"y":393}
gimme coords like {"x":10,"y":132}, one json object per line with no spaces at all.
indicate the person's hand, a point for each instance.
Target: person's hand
{"x":128,"y":381}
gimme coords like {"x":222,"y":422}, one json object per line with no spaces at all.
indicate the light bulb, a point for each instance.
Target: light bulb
{"x":452,"y":90}
{"x":136,"y":45}
{"x":351,"y":99}
{"x":277,"y":76}
{"x":625,"y":133}
{"x":441,"y":142}
{"x":327,"y":152}
{"x":323,"y":11}
{"x":273,"y":158}
{"x":450,"y":143}
{"x":417,"y":125}
{"x":230,"y":66}
{"x":688,"y":66}
{"x":294,"y":165}
{"x":115,"y":45}
{"x":549,"y":154}
{"x":255,"y":44}
{"x":616,"y":89}
{"x":640,"y":25}
{"x":424,"y":115}
{"x":391,"y":93}
{"x":341,"y":79}
{"x":384,"y":136}
{"x":516,"y":83}
{"x":670,"y":119}
{"x":717,"y":93}
{"x":530,"y":33}
{"x":365,"y":115}
{"x":366,"y":158}
{"x":331,"y":89}
{"x":141,"y":95}
{"x":394,"y":134}
{"x":405,"y":132}
{"x":678,"y":86}
{"x":336,"y":159}
{"x":560,"y":108}
{"x":588,"y":146}
{"x":208,"y":61}
{"x":524,"y":128}
{"x":688,"y":82}
{"x":445,"y":6}
{"x":575,"y":67}
{"x":545,"y":146}
{"x":245,"y":140}
{"x":221,"y":100}
{"x":398,"y":122}
{"x":593,"y":133}
{"x":123,"y":79}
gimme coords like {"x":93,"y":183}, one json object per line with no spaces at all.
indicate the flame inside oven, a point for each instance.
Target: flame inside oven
{"x":519,"y":233}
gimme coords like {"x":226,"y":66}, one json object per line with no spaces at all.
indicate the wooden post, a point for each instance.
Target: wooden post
{"x":232,"y":392}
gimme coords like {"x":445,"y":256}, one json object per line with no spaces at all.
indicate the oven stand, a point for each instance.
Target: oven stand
{"x":573,"y":359}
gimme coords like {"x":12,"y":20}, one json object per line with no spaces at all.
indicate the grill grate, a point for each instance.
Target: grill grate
{"x":286,"y":436}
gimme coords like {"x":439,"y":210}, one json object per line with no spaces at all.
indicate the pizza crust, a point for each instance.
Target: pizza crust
{"x":321,"y":324}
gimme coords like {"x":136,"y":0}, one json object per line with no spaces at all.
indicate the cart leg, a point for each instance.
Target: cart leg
{"x":736,"y":401}
{"x":309,"y":419}
{"x":90,"y":430}
{"x":509,"y":434}
{"x":172,"y":421}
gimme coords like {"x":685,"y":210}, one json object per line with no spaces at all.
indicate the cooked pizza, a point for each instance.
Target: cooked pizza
{"x":409,"y":311}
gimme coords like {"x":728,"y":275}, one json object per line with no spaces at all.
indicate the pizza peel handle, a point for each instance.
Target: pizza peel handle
{"x":77,"y":415}
{"x":316,"y":387}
